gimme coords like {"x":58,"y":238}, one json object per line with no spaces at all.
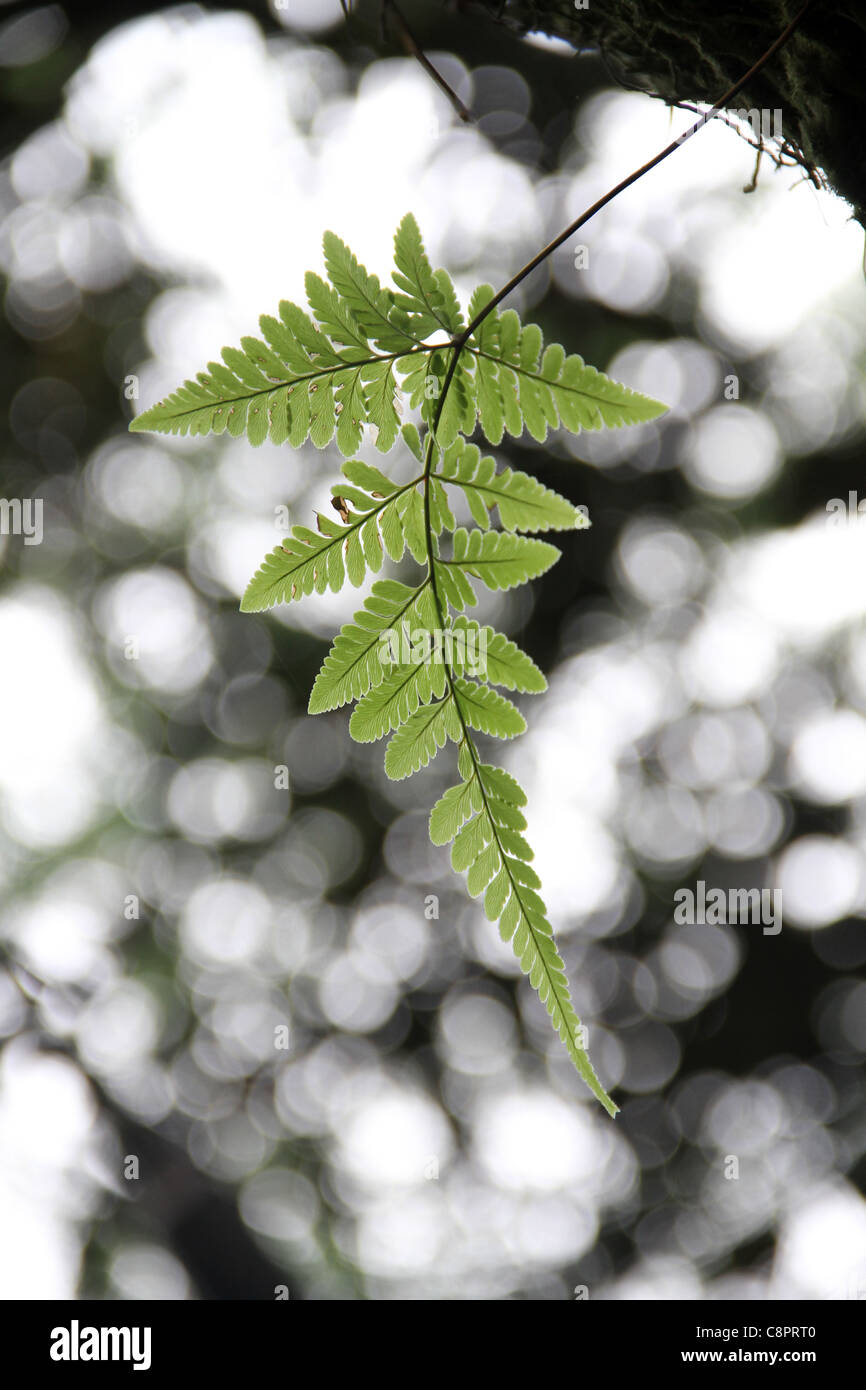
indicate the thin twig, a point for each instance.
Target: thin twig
{"x":414,"y":49}
{"x":753,"y":183}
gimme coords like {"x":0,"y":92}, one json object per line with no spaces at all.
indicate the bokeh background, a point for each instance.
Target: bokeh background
{"x":166,"y":907}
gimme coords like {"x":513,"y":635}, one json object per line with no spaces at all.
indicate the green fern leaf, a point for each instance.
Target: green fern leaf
{"x":497,"y":659}
{"x":524,"y":503}
{"x":418,"y":740}
{"x":354,"y":665}
{"x":411,"y":510}
{"x":502,"y":786}
{"x":441,"y":516}
{"x":498,"y":558}
{"x":350,"y":407}
{"x":398,"y":696}
{"x":371,"y":306}
{"x":458,"y":410}
{"x":454,"y":806}
{"x":380,"y":398}
{"x":303,"y":562}
{"x":305,"y":333}
{"x":307,"y":560}
{"x":508,"y":885}
{"x":491,"y":398}
{"x":284,"y":391}
{"x":548,"y":388}
{"x":335,"y":318}
{"x":452,"y":583}
{"x":289,"y":410}
{"x":418,"y":381}
{"x":413,"y":441}
{"x":487,"y":711}
{"x":419,"y":674}
{"x":428,"y":296}
{"x":372,"y":479}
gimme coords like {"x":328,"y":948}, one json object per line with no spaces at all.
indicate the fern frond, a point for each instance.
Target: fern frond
{"x":424,"y":383}
{"x":427,"y":295}
{"x":441,"y":516}
{"x":499,"y":559}
{"x":411,"y":512}
{"x":350,"y":409}
{"x":544,"y":386}
{"x":412,"y":440}
{"x":303,"y":562}
{"x":335,"y":318}
{"x":371,"y":306}
{"x":456,"y":805}
{"x":382,"y":405}
{"x":297,"y":384}
{"x":484,"y":709}
{"x":371,"y":479}
{"x":309,"y":560}
{"x":354,"y":664}
{"x":418,"y":741}
{"x":466,"y":814}
{"x":417,"y":673}
{"x":524,"y":503}
{"x":258,"y":388}
{"x":501,"y":661}
{"x":398,"y":696}
{"x":457,"y":414}
{"x":498,"y":408}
